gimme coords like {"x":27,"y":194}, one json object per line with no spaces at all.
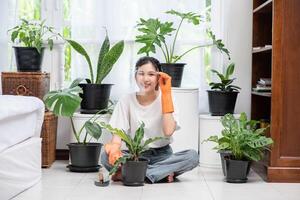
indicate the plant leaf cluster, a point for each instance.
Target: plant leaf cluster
{"x":136,"y":146}
{"x":241,"y":138}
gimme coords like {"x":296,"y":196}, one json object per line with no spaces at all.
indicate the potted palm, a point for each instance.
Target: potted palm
{"x":30,"y":36}
{"x":223,"y":94}
{"x":95,"y":94}
{"x":84,"y":155}
{"x":134,"y":166}
{"x":154,"y":35}
{"x":245,"y":142}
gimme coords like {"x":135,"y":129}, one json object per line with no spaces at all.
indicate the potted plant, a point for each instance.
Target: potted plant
{"x":30,"y":35}
{"x":245,"y":142}
{"x":95,"y":95}
{"x":134,"y":166}
{"x":222,"y":96}
{"x":84,"y":155}
{"x":153,"y":35}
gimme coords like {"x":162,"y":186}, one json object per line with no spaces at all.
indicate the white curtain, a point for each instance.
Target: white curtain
{"x":120,"y":18}
{"x":7,"y":20}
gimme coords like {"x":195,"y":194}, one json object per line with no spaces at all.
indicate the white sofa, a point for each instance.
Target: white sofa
{"x":21,"y":120}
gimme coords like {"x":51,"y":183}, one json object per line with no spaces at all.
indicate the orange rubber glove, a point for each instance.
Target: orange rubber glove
{"x":114,"y":152}
{"x":166,"y":95}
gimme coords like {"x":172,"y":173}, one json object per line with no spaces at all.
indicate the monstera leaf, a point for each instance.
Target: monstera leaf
{"x":64,"y":102}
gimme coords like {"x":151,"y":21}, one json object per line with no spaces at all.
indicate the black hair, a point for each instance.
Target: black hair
{"x":147,"y":59}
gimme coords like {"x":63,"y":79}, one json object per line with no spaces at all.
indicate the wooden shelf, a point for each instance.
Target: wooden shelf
{"x":264,"y":8}
{"x":264,"y":94}
{"x":263,"y":49}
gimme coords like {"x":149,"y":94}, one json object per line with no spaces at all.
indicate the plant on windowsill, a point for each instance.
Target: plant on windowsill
{"x":153,"y":35}
{"x":133,"y":165}
{"x":30,"y":36}
{"x":222,"y":95}
{"x":245,"y":143}
{"x":84,"y":155}
{"x":95,"y":94}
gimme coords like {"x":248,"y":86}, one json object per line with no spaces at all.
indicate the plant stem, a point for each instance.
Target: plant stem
{"x":74,"y":131}
{"x":166,"y":58}
{"x":175,"y":38}
{"x":179,"y":57}
{"x":168,"y":55}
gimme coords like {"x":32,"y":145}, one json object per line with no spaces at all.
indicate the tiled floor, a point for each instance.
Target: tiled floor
{"x":201,"y":183}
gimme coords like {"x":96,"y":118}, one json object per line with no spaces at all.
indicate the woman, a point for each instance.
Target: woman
{"x":155,"y":108}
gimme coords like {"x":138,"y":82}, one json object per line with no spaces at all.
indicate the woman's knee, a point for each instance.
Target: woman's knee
{"x":193,"y":157}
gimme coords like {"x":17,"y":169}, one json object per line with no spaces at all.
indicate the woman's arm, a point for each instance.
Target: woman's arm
{"x":169,"y":124}
{"x":168,"y":121}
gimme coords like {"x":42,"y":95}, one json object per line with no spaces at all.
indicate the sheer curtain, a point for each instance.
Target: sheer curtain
{"x":120,"y":18}
{"x":8,"y":20}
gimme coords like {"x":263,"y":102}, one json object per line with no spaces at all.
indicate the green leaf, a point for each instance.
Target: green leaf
{"x":79,"y":49}
{"x":109,"y":60}
{"x":14,"y":35}
{"x":230,"y":70}
{"x":117,"y":164}
{"x":103,"y":51}
{"x":76,"y":82}
{"x":93,"y":129}
{"x":139,"y":135}
{"x":63,"y":102}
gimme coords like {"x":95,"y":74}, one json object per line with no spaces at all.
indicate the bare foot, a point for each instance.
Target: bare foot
{"x":117,"y":176}
{"x":171,"y":178}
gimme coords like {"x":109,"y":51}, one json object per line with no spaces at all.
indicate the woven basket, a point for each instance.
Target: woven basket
{"x":49,"y":139}
{"x":25,"y":83}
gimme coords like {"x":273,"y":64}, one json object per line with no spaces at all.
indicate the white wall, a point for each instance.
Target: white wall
{"x":233,"y":23}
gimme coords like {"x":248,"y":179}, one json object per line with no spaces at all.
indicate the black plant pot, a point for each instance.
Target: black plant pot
{"x":236,"y":170}
{"x":95,"y":97}
{"x":28,"y":59}
{"x":134,"y":172}
{"x":84,"y":155}
{"x":221,"y":103}
{"x":224,"y":154}
{"x":175,"y":70}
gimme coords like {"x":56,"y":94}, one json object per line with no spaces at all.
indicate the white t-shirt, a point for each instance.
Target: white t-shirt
{"x":128,"y":115}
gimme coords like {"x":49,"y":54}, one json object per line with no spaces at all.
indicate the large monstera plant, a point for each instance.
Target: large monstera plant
{"x":65,"y":102}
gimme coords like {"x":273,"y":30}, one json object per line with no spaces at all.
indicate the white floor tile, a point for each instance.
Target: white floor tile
{"x":201,"y":183}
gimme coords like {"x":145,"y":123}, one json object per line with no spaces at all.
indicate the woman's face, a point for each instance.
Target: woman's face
{"x":147,"y":78}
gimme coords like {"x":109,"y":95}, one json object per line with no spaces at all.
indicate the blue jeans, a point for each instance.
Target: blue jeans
{"x":163,"y":162}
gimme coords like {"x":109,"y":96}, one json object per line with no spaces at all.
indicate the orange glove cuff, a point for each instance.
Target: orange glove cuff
{"x":167,"y":103}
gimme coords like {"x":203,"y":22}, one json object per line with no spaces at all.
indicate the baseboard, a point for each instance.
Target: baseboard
{"x":62,"y":154}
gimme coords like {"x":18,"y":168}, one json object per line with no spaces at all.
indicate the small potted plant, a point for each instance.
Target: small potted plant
{"x":222,"y":95}
{"x":245,"y":142}
{"x":30,"y":36}
{"x":95,"y":95}
{"x":134,"y":166}
{"x":154,"y":34}
{"x":84,"y":155}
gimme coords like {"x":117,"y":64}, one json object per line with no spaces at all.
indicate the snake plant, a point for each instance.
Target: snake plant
{"x":106,"y":59}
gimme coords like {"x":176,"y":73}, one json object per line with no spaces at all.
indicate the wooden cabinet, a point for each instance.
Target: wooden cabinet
{"x":277,"y":24}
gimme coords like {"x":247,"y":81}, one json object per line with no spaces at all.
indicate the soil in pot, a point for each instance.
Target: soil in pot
{"x":134,"y":172}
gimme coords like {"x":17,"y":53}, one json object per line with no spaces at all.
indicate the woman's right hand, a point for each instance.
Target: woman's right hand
{"x":114,"y":152}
